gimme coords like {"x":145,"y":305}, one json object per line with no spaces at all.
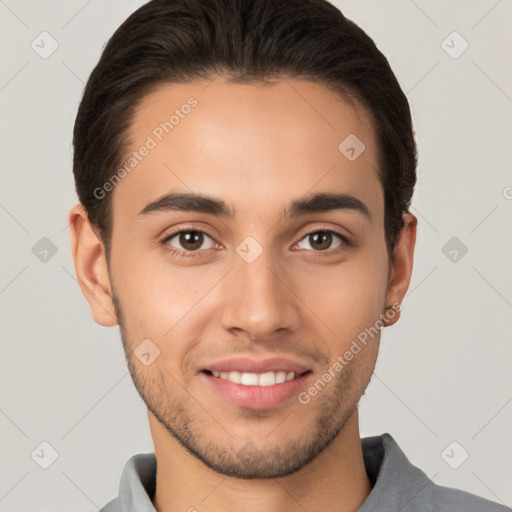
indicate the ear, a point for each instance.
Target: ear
{"x":91,"y":267}
{"x":401,"y":267}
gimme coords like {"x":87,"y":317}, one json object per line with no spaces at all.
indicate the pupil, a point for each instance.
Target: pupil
{"x":191,"y":240}
{"x":323,"y":239}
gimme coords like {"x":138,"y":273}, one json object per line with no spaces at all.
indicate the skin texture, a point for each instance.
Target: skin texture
{"x":257,"y":147}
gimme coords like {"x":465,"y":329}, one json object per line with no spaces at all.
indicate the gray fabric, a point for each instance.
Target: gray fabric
{"x":398,"y":486}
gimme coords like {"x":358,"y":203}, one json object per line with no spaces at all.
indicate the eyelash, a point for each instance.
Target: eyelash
{"x":191,"y":254}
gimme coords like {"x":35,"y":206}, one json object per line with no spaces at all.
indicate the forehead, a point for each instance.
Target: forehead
{"x":248,"y":143}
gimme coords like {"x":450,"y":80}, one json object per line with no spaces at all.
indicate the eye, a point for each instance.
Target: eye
{"x":321,"y":240}
{"x":191,"y":240}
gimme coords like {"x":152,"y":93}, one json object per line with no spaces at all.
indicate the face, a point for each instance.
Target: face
{"x":238,"y":298}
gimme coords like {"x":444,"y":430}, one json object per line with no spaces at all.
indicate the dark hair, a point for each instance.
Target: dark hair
{"x":177,"y":41}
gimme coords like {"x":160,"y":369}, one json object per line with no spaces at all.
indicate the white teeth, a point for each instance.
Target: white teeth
{"x":267,"y":379}
{"x":235,"y":377}
{"x":256,"y":379}
{"x":280,"y":377}
{"x":249,"y":379}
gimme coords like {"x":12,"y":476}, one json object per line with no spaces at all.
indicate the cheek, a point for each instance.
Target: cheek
{"x":159,"y":298}
{"x":348,"y":297}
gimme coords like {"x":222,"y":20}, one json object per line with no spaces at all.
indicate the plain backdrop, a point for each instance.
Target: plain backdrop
{"x":444,"y":371}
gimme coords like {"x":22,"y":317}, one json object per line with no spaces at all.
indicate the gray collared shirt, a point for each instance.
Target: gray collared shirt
{"x":398,"y":486}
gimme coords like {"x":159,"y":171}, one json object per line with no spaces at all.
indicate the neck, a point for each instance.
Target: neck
{"x":335,"y":480}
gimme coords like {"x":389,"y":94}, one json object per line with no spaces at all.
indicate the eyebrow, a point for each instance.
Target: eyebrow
{"x":320,"y":202}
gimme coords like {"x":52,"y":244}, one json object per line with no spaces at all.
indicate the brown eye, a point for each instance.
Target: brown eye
{"x":321,"y":241}
{"x":190,"y":240}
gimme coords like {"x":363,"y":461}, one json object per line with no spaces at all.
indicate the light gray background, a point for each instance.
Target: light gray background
{"x":444,"y":370}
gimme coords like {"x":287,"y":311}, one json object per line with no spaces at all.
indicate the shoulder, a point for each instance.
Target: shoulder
{"x":399,"y":485}
{"x":137,"y":485}
{"x":442,"y":499}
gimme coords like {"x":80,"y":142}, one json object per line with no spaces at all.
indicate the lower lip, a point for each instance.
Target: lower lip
{"x":257,"y":397}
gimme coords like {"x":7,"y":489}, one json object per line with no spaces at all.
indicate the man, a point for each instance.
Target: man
{"x":245,"y":171}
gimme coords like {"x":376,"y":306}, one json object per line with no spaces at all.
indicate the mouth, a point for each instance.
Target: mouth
{"x":256,"y":383}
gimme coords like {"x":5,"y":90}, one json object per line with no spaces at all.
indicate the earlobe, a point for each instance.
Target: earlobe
{"x":91,"y":267}
{"x":401,"y":268}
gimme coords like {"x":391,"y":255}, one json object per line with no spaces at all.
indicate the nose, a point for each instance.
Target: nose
{"x":258,"y":299}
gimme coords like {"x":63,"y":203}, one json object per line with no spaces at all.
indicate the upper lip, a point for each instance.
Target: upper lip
{"x":260,"y":365}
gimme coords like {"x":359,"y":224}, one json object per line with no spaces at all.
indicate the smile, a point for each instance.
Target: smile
{"x":255,"y":379}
